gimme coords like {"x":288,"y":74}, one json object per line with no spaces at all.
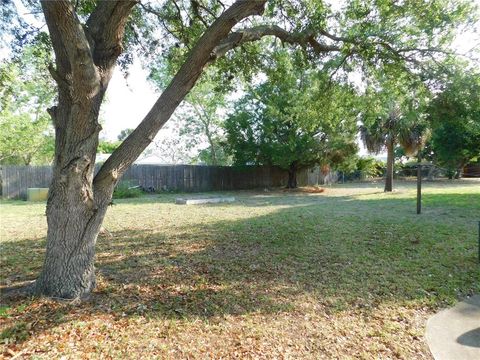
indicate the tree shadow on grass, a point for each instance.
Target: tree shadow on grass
{"x":343,"y":253}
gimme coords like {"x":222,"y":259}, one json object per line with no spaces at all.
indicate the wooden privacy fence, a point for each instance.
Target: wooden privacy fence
{"x":204,"y":178}
{"x":15,"y":180}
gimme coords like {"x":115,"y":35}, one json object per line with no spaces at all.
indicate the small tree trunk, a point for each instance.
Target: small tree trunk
{"x":213,"y":153}
{"x":389,"y":175}
{"x":292,"y":177}
{"x":459,"y":172}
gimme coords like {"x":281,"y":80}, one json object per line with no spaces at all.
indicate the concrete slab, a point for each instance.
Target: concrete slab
{"x":197,"y":201}
{"x":454,"y":334}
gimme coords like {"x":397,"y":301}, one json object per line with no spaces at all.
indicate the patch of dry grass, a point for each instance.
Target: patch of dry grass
{"x":348,"y":273}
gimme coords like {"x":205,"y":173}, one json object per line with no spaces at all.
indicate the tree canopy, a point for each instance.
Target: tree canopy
{"x":295,"y":119}
{"x":454,"y":115}
{"x":26,"y":134}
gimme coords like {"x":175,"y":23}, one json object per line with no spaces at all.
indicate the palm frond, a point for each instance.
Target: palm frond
{"x":372,"y":138}
{"x":413,"y":138}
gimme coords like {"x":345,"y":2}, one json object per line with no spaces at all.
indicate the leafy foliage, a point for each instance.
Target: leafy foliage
{"x":295,"y":119}
{"x":107,"y":147}
{"x":26,"y":135}
{"x":125,"y":191}
{"x":394,"y":113}
{"x":454,"y":115}
{"x":205,"y":109}
{"x":357,"y":167}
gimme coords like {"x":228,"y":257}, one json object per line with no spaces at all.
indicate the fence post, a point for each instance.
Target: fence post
{"x":419,"y":185}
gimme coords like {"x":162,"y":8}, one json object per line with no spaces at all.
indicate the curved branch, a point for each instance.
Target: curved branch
{"x":241,"y":37}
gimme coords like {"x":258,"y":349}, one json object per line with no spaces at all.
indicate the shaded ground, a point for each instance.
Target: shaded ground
{"x":348,"y":273}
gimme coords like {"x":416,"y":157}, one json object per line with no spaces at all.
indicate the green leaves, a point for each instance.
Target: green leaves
{"x":454,"y":115}
{"x":394,"y":111}
{"x":26,"y":135}
{"x":297,"y":116}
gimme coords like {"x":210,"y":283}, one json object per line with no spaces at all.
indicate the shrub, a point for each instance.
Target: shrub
{"x":125,"y":191}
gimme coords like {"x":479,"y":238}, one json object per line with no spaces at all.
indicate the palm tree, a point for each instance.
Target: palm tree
{"x":384,"y":132}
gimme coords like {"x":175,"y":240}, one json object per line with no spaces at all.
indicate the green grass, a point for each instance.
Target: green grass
{"x":349,"y":273}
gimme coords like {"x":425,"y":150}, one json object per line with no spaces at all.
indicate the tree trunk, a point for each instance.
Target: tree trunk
{"x":390,"y":160}
{"x":213,"y":153}
{"x":292,"y":177}
{"x":74,"y":213}
{"x":459,"y":172}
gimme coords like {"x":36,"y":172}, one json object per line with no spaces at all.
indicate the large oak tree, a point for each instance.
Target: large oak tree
{"x":89,"y":37}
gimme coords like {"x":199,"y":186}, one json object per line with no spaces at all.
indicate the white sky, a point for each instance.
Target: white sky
{"x":128,"y":100}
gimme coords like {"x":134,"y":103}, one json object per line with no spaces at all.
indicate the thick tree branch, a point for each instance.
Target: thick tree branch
{"x":178,"y":88}
{"x":241,"y":37}
{"x":72,"y":50}
{"x":106,"y":26}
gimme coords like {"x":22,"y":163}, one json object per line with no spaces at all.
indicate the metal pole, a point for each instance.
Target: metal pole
{"x":419,"y":186}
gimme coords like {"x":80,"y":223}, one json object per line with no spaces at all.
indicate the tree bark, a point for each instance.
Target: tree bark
{"x":73,"y":227}
{"x":74,"y":213}
{"x":390,"y":160}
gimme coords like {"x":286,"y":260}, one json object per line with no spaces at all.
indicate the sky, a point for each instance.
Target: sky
{"x":129,"y":99}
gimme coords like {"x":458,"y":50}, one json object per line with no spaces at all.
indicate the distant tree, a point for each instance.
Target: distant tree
{"x":361,"y":167}
{"x":107,"y":147}
{"x":169,"y":147}
{"x":172,"y":150}
{"x":394,"y":115}
{"x":26,"y":133}
{"x":454,"y":115}
{"x":295,"y":119}
{"x":203,"y":123}
{"x":204,"y":156}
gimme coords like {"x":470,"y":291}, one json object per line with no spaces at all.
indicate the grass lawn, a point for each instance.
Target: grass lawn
{"x":348,"y":273}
